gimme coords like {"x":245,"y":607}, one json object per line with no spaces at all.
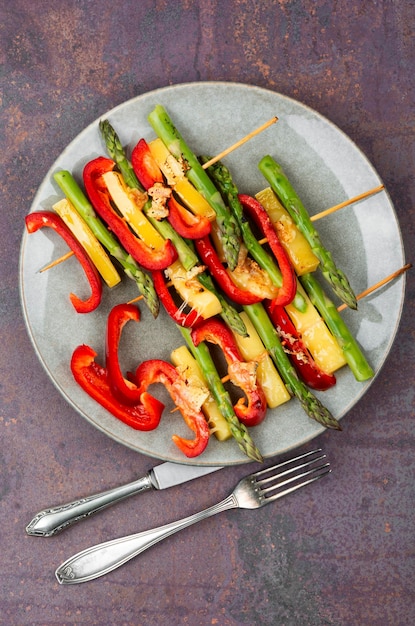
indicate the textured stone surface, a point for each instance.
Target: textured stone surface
{"x":340,"y":553}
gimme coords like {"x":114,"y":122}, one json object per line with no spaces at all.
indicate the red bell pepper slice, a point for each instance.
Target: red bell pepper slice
{"x":185,"y":223}
{"x":159,"y":371}
{"x":307,"y":369}
{"x":188,"y":320}
{"x":99,"y":196}
{"x":210,"y":258}
{"x":121,"y":387}
{"x":257,"y":212}
{"x":145,"y":415}
{"x":145,"y":166}
{"x":215,"y":331}
{"x":39,"y":219}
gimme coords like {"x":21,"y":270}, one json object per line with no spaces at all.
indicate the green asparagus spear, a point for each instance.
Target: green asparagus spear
{"x":117,"y":153}
{"x":228,"y":226}
{"x":351,"y":350}
{"x":222,"y":177}
{"x":239,"y":431}
{"x":282,"y":187}
{"x":311,"y":405}
{"x":75,"y":194}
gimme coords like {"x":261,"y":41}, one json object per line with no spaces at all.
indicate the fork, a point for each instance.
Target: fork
{"x":252,"y":492}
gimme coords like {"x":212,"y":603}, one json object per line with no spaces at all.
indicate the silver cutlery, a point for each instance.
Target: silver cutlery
{"x":252,"y":492}
{"x":53,"y":520}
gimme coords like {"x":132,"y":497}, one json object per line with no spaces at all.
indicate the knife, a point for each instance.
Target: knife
{"x":51,"y":521}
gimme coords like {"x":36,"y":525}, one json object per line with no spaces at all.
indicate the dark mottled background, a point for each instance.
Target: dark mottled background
{"x":341,"y":553}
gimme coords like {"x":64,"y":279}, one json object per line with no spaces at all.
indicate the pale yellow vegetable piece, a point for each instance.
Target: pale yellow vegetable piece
{"x":316,"y":336}
{"x":249,"y":276}
{"x":194,"y":200}
{"x":192,"y":292}
{"x":80,"y":229}
{"x":252,"y":349}
{"x":176,"y":178}
{"x":189,"y":368}
{"x":323,"y":347}
{"x":297,"y":247}
{"x":303,"y":320}
{"x":130,"y":203}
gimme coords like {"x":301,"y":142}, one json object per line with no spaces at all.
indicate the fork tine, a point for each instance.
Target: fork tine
{"x":277,"y":474}
{"x":288,"y":471}
{"x":315,"y":473}
{"x":267,"y":470}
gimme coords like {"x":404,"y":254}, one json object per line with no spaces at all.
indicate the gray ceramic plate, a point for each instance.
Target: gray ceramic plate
{"x":324,"y":166}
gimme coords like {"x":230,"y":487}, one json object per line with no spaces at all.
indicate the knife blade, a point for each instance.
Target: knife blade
{"x":53,"y":520}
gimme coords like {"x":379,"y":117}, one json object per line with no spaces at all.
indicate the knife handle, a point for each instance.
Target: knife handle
{"x":52,"y":521}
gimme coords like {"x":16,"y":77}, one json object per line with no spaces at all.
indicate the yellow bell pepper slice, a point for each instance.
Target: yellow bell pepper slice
{"x":80,"y":229}
{"x":130,"y":203}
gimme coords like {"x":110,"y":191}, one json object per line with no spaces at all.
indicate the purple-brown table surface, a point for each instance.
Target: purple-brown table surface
{"x":340,"y":553}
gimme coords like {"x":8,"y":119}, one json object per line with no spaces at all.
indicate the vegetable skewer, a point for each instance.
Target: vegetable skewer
{"x":115,"y":149}
{"x":169,"y":232}
{"x":351,"y":350}
{"x":143,"y":281}
{"x":223,"y":180}
{"x":311,"y":405}
{"x":280,"y":184}
{"x":228,"y":226}
{"x":206,"y":364}
{"x":186,"y":253}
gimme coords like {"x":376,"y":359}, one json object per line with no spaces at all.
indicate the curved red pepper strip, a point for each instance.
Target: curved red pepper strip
{"x":39,"y":219}
{"x":289,"y":282}
{"x":99,"y":196}
{"x":158,"y":371}
{"x":93,"y":379}
{"x":307,"y":369}
{"x":185,"y":223}
{"x":188,"y":320}
{"x":209,"y":257}
{"x":121,"y":387}
{"x":145,"y":166}
{"x":215,"y":331}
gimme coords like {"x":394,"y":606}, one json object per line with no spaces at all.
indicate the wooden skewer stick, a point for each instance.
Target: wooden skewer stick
{"x":247,"y":137}
{"x":137,"y":298}
{"x":379,"y":284}
{"x":57,"y":261}
{"x":335,"y":208}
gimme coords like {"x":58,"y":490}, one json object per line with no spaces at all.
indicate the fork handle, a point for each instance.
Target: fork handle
{"x":105,"y":557}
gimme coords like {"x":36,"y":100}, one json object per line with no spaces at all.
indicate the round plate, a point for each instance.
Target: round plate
{"x":324,"y":166}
